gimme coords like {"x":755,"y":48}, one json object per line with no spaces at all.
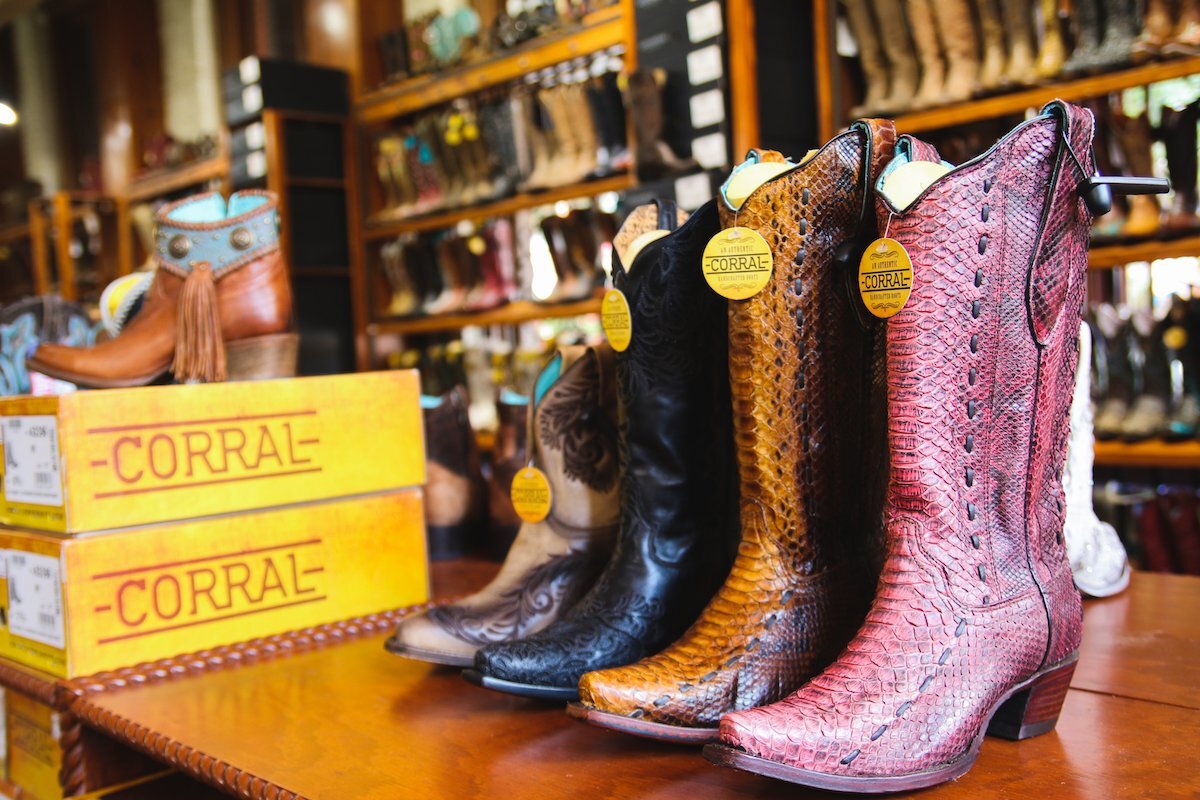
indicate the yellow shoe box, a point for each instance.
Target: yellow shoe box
{"x":99,"y":460}
{"x":95,"y":602}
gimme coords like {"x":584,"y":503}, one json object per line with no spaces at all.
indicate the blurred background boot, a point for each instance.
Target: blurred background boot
{"x":991,"y":68}
{"x":930,"y":91}
{"x":960,"y":42}
{"x":1177,"y":130}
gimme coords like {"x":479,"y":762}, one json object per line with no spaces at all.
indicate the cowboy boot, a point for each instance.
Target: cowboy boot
{"x":903,"y":74}
{"x":1133,"y":137}
{"x":644,"y":105}
{"x":509,"y":455}
{"x":454,"y":488}
{"x":991,"y":70}
{"x":1098,"y":562}
{"x":1147,"y":417}
{"x":929,"y":53}
{"x":870,"y":57}
{"x":220,"y":306}
{"x":976,"y":622}
{"x":800,"y":585}
{"x":1185,"y":41}
{"x":959,"y":43}
{"x":572,"y":428}
{"x":1086,"y":54}
{"x":1053,"y":52}
{"x":1178,"y":131}
{"x":1158,"y":25}
{"x":1113,"y":365}
{"x":678,"y":503}
{"x":1021,"y":69}
{"x":1120,"y":31}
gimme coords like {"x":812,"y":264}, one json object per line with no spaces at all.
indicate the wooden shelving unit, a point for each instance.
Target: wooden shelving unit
{"x":600,"y":30}
{"x":1115,"y":255}
{"x":381,"y":228}
{"x":1154,"y":453}
{"x":510,"y":314}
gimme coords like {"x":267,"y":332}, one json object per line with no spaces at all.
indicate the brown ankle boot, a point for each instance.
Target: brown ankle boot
{"x":220,"y":306}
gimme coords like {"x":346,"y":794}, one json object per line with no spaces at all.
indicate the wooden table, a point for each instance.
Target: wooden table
{"x":352,"y":721}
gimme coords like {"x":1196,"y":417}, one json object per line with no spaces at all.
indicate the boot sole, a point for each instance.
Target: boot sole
{"x":658,"y":731}
{"x":1018,"y":714}
{"x":431,"y":656}
{"x":521,"y":689}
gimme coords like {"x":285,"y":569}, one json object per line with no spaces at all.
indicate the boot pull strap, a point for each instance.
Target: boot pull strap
{"x":917,"y":149}
{"x":668,"y":214}
{"x":879,"y":145}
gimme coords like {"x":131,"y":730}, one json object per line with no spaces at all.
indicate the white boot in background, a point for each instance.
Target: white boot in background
{"x":1097,"y":557}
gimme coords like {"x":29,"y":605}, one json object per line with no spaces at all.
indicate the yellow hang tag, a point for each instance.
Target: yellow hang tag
{"x":616,"y":319}
{"x":1175,"y":337}
{"x":477,"y":245}
{"x":530,"y":494}
{"x":737,"y":263}
{"x":885,"y":277}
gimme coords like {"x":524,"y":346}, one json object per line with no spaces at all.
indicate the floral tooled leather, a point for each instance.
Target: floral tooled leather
{"x":976,"y":596}
{"x":551,"y":563}
{"x":800,"y":369}
{"x":677,"y":488}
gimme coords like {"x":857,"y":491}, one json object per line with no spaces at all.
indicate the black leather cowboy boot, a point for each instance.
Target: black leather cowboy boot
{"x":678,"y":478}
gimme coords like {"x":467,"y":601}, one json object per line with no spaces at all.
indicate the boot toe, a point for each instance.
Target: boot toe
{"x":54,"y":360}
{"x":423,"y":638}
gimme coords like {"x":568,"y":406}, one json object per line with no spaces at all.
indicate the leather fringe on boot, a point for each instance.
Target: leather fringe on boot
{"x":199,"y":348}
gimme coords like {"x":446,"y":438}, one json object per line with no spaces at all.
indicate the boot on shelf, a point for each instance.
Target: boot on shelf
{"x":961,"y":46}
{"x":453,"y":278}
{"x":678,"y":491}
{"x":399,"y":277}
{"x":801,"y":366}
{"x":455,"y":495}
{"x":219,"y":307}
{"x":991,"y":68}
{"x":1113,"y":389}
{"x":1108,"y":228}
{"x":903,"y":74}
{"x":1120,"y":31}
{"x":923,"y":24}
{"x":1158,"y":26}
{"x":976,"y":621}
{"x":870,"y":57}
{"x":644,"y":103}
{"x":1133,"y":138}
{"x":1021,"y":68}
{"x":1147,"y":417}
{"x":1089,"y":30}
{"x":1185,"y":41}
{"x":1182,"y":365}
{"x":572,"y":430}
{"x":1178,"y":131}
{"x":1097,"y":557}
{"x":1053,"y":53}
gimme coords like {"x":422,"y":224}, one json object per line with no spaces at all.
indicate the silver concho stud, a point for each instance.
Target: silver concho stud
{"x":179,"y":245}
{"x":241,"y":238}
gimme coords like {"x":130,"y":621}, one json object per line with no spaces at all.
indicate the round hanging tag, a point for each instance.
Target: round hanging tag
{"x":885,"y":277}
{"x":1175,"y":337}
{"x":530,"y":494}
{"x":616,"y":320}
{"x":737,"y":263}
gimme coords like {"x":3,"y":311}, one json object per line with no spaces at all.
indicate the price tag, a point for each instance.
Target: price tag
{"x":737,"y":263}
{"x":530,"y":494}
{"x":35,"y":608}
{"x":31,"y":467}
{"x":616,"y":319}
{"x":885,"y":277}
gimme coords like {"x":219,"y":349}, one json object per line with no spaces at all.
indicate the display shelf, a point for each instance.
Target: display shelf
{"x":600,"y":30}
{"x":381,"y":228}
{"x":14,"y":233}
{"x":1155,"y":453}
{"x":511,"y":314}
{"x":1114,"y":255}
{"x":394,"y":727}
{"x":167,"y":181}
{"x":1017,"y":102}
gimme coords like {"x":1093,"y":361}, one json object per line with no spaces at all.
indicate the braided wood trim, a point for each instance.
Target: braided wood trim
{"x":72,"y":777}
{"x":43,"y":689}
{"x":75,"y":695}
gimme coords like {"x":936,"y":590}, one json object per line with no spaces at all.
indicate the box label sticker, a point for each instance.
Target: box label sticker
{"x":704,"y":65}
{"x":704,"y":22}
{"x":35,"y":608}
{"x":31,"y":468}
{"x":708,"y":108}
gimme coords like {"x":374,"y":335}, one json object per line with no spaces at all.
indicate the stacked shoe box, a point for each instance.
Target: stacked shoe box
{"x":141,"y":524}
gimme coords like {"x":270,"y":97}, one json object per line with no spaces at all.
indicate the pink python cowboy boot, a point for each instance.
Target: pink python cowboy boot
{"x":976,"y":622}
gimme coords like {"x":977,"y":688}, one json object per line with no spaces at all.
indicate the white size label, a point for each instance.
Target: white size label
{"x":252,"y":98}
{"x":35,"y":608}
{"x":711,"y":151}
{"x":708,"y":108}
{"x":704,"y":65}
{"x":31,"y":468}
{"x":256,"y":136}
{"x":693,"y":191}
{"x":249,"y":69}
{"x":704,"y":22}
{"x":256,"y":164}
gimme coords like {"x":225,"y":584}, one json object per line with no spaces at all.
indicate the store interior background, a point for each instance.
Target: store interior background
{"x":123,"y":105}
